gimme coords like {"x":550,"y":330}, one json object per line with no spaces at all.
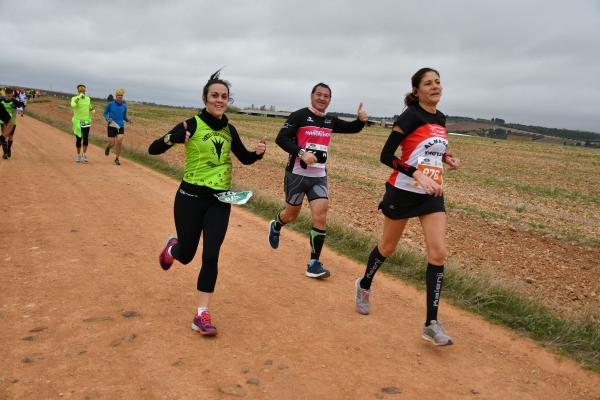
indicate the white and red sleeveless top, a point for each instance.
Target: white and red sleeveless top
{"x":424,"y":138}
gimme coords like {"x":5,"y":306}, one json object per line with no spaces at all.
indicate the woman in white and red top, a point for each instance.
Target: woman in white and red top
{"x":415,"y":189}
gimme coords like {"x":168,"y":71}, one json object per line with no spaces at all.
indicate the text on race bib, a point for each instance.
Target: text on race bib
{"x":320,"y":151}
{"x":432,"y":168}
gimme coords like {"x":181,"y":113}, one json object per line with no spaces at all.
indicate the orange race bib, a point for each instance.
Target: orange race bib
{"x":431,"y":167}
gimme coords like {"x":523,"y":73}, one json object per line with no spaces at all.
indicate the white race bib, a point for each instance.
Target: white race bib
{"x":320,"y":151}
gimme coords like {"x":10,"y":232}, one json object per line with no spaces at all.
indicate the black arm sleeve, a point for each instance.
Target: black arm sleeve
{"x":286,"y":138}
{"x":4,"y":115}
{"x":341,"y":126}
{"x":387,"y":154}
{"x":177,"y":136}
{"x":237,"y":147}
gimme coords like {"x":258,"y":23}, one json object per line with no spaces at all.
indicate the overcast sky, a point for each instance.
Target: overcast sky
{"x":533,"y":62}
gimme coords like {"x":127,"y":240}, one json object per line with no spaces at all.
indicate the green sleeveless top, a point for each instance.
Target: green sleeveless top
{"x":81,"y":109}
{"x":207,"y":157}
{"x":8,"y":105}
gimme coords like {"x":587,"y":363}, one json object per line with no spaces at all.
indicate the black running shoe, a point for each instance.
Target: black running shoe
{"x":107,"y":151}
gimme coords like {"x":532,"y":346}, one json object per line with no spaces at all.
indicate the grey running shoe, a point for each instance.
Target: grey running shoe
{"x":117,"y":162}
{"x":435,"y":333}
{"x":363,"y":306}
{"x":84,"y":157}
{"x":78,"y":158}
{"x":273,"y":235}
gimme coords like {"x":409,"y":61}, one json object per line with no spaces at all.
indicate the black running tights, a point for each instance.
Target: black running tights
{"x":85,"y":133}
{"x":199,"y":213}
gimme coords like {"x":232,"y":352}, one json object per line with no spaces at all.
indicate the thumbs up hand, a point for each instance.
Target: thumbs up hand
{"x":261,"y":147}
{"x":361,"y":113}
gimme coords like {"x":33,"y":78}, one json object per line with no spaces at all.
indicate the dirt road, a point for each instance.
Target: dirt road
{"x":87,"y":313}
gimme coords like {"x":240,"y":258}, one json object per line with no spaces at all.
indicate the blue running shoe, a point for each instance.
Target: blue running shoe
{"x":315,"y":269}
{"x":273,"y":235}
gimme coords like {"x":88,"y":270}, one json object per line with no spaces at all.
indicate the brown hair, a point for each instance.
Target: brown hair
{"x":323,"y":85}
{"x":411,"y":98}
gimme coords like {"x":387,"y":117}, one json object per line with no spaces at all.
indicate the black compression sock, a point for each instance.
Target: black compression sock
{"x":375,"y":261}
{"x":278,"y":222}
{"x":317,"y":239}
{"x":4,"y":146}
{"x":434,"y":281}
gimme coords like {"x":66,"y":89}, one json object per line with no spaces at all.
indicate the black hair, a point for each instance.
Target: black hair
{"x":314,"y":89}
{"x":9,"y":90}
{"x":214,"y":78}
{"x":411,"y":98}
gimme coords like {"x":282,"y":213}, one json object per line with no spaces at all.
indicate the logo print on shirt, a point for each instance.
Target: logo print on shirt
{"x":309,"y":119}
{"x":218,"y":147}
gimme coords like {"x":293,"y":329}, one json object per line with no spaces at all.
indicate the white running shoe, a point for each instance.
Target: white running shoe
{"x":435,"y":333}
{"x":363,"y":305}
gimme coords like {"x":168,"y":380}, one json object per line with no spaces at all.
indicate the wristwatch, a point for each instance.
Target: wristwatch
{"x":301,"y":153}
{"x":167,"y":139}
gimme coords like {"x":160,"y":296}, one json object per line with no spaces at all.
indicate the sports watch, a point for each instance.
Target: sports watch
{"x":301,"y":153}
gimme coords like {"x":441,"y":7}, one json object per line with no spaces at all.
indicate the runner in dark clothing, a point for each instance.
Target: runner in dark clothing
{"x":305,"y":136}
{"x":209,"y":138}
{"x":9,"y":104}
{"x":414,"y":189}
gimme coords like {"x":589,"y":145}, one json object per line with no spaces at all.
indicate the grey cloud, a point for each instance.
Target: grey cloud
{"x":529,"y":62}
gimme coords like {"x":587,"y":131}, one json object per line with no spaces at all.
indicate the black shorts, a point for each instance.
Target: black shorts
{"x":402,"y":204}
{"x":112,"y":131}
{"x":296,"y":186}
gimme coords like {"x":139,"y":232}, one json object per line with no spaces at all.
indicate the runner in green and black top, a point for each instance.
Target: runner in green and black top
{"x":10,"y":104}
{"x":82,"y":121}
{"x":209,"y":139}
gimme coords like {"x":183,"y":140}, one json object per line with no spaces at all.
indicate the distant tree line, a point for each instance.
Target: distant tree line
{"x":582,"y":136}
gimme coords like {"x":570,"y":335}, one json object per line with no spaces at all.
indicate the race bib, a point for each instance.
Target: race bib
{"x":431,"y":167}
{"x":320,"y":151}
{"x":237,"y":198}
{"x":113,"y":124}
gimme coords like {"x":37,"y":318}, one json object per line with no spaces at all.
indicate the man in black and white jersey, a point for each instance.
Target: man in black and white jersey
{"x":305,"y":136}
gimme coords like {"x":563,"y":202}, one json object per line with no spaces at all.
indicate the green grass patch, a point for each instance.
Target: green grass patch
{"x":578,"y":339}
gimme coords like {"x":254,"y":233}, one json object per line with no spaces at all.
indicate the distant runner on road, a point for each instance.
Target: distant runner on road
{"x":115,"y":115}
{"x":414,"y":189}
{"x":306,"y":136}
{"x":82,"y":121}
{"x":202,"y":205}
{"x":10,"y":105}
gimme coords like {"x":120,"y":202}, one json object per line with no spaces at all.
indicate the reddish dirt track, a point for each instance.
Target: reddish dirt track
{"x":79,"y":246}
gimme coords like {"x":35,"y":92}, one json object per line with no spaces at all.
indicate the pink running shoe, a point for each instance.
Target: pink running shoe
{"x":203,"y":325}
{"x":165,"y":260}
